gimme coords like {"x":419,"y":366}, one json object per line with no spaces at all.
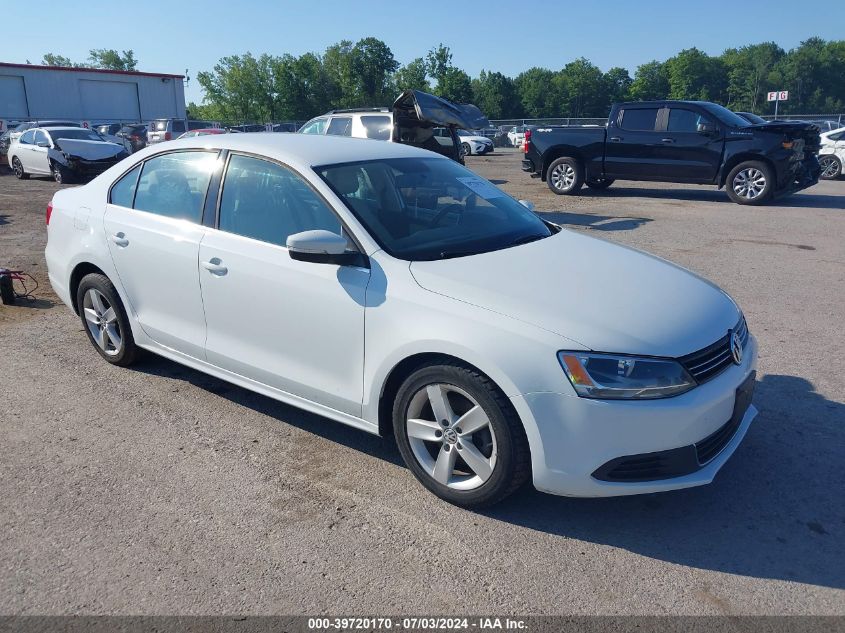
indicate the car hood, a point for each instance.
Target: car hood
{"x":89,"y":150}
{"x":600,"y":295}
{"x":438,"y":111}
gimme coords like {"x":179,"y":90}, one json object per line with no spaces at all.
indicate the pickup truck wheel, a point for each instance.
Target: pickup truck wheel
{"x":751,"y":182}
{"x":601,"y":183}
{"x":565,"y":176}
{"x":831,"y":167}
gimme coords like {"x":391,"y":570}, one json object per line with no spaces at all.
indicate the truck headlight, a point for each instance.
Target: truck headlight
{"x":620,"y":377}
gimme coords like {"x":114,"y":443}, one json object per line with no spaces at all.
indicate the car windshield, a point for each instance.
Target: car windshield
{"x":431,"y":208}
{"x":80,"y":134}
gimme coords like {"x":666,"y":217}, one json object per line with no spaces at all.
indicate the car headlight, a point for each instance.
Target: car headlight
{"x":619,"y":377}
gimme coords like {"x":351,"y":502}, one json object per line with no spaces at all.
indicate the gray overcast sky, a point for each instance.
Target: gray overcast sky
{"x":505,"y":36}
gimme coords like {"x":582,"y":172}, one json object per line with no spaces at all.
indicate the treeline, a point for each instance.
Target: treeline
{"x":365,"y":73}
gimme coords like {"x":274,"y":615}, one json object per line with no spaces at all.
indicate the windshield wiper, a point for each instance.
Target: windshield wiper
{"x":451,"y":254}
{"x":527,"y":238}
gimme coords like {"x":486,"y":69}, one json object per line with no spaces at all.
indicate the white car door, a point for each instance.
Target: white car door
{"x":40,"y":160}
{"x":292,"y":325}
{"x":153,"y":226}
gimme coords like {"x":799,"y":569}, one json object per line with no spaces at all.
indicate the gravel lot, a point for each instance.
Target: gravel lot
{"x":159,"y":490}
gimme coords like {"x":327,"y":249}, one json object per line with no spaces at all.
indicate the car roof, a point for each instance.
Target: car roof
{"x":57,"y":128}
{"x":303,"y":150}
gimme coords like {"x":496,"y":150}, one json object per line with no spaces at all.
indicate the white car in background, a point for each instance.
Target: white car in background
{"x":516,"y":136}
{"x":472,"y":143}
{"x":832,"y":154}
{"x":65,"y":153}
{"x":390,"y":288}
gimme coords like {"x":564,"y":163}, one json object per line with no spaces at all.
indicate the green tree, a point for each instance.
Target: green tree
{"x":583,"y":89}
{"x":651,"y":81}
{"x":51,"y":59}
{"x":537,"y":94}
{"x":112,"y":60}
{"x":617,"y":85}
{"x":495,"y":95}
{"x":241,"y":87}
{"x":693,"y":74}
{"x":373,"y":65}
{"x":749,"y":69}
{"x":301,"y":86}
{"x":412,"y":76}
{"x":438,"y":61}
{"x":455,"y":86}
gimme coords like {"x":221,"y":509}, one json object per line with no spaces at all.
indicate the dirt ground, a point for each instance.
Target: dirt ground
{"x":159,"y":490}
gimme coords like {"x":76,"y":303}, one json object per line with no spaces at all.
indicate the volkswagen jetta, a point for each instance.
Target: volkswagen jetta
{"x":391,"y":289}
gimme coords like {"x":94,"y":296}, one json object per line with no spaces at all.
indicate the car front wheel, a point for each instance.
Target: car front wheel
{"x":831,"y":167}
{"x":467,"y":149}
{"x":459,"y":435}
{"x":751,"y":182}
{"x":105,"y":320}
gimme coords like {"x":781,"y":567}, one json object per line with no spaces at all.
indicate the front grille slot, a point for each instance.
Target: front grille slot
{"x":709,"y":362}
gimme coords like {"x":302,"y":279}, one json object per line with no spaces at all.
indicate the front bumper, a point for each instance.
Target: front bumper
{"x":572,"y":438}
{"x":90,"y":168}
{"x":799,"y":175}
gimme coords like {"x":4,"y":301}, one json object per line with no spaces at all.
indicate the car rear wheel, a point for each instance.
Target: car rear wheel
{"x":467,"y":149}
{"x":105,"y":320}
{"x":831,"y":167}
{"x":565,"y":176}
{"x":459,"y":435}
{"x":751,"y":182}
{"x":17,"y":167}
{"x":599,"y":183}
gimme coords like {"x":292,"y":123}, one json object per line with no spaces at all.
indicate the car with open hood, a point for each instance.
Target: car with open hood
{"x":417,"y":118}
{"x":393,"y":290}
{"x":67,"y":154}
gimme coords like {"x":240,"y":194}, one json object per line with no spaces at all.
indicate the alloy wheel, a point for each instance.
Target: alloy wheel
{"x":102,"y":322}
{"x":749,"y":183}
{"x":17,"y":167}
{"x":563,"y":177}
{"x":829,"y":166}
{"x":451,"y":436}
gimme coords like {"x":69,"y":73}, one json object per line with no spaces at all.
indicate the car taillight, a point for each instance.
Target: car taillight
{"x":527,"y":143}
{"x":167,"y":136}
{"x":49,"y":212}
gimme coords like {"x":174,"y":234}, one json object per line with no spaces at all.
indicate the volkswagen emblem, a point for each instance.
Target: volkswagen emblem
{"x":736,"y":348}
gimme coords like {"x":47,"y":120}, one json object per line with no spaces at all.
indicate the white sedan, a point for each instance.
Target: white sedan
{"x":832,"y":154}
{"x":65,"y":153}
{"x":474,"y":143}
{"x":393,"y":290}
{"x":516,"y":136}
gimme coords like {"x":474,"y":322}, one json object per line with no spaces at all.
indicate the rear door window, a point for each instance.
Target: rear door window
{"x":174,"y":185}
{"x":639,"y":119}
{"x":27,"y":138}
{"x":378,"y":127}
{"x":340,"y":126}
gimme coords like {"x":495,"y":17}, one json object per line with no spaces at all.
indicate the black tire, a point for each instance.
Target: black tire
{"x":512,"y":468}
{"x":61,"y":175}
{"x":831,"y":167}
{"x":129,"y":352}
{"x":565,"y":176}
{"x":467,"y":149}
{"x":602,"y":183}
{"x":758,"y":176}
{"x":17,"y":167}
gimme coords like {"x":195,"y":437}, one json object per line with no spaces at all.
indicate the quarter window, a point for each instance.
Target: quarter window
{"x":268,"y":202}
{"x":639,"y":119}
{"x":174,"y":185}
{"x":123,"y":191}
{"x":340,"y":126}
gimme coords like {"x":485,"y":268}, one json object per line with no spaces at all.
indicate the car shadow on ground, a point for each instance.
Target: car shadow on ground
{"x":805,"y":198}
{"x":594,"y":221}
{"x":774,"y":511}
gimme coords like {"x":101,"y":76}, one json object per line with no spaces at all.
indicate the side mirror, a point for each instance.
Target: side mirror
{"x":323,"y":247}
{"x":707,"y":128}
{"x":527,"y":204}
{"x":43,"y":144}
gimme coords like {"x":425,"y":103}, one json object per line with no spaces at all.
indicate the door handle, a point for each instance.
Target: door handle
{"x":120,"y":240}
{"x":667,"y":140}
{"x":215,"y":266}
{"x":615,"y":139}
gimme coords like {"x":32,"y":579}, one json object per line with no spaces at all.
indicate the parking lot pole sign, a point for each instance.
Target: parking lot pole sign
{"x":777,"y":96}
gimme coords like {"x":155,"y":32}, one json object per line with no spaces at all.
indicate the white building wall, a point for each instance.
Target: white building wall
{"x":87,"y":95}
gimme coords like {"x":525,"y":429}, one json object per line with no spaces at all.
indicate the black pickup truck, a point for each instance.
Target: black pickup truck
{"x":677,"y":141}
